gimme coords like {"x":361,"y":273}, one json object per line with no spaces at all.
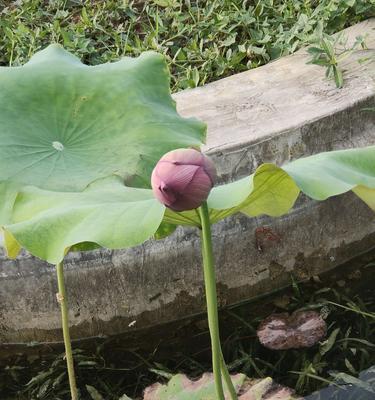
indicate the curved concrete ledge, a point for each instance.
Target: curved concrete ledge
{"x":276,"y":113}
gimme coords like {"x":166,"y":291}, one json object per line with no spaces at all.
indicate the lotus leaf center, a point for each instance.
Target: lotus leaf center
{"x":58,"y":146}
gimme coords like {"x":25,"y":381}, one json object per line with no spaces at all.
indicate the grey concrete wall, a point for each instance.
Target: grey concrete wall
{"x":276,"y":113}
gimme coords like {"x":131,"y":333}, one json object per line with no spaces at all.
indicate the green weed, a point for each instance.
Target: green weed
{"x":327,"y":54}
{"x":202,"y":40}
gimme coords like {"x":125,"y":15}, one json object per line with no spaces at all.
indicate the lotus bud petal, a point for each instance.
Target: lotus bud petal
{"x":182,"y":179}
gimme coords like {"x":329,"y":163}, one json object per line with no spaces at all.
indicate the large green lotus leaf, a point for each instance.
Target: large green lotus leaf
{"x":64,"y":124}
{"x":273,"y":190}
{"x":106,"y":213}
{"x":180,"y":387}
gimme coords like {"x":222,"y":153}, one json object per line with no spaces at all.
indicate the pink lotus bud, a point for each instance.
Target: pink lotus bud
{"x":183,"y":179}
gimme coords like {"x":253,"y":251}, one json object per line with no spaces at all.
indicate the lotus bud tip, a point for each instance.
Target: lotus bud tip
{"x":183,"y":178}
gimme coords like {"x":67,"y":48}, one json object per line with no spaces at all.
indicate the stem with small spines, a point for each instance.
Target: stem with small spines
{"x":218,"y":363}
{"x":62,"y":299}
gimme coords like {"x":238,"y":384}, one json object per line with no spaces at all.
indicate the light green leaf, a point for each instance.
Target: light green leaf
{"x":95,"y":395}
{"x":125,"y":397}
{"x":231,"y":194}
{"x":270,"y":191}
{"x":165,"y":229}
{"x":8,"y":194}
{"x":182,"y":388}
{"x":332,"y":173}
{"x":84,"y":246}
{"x":188,"y":218}
{"x":366,"y":194}
{"x":327,"y":345}
{"x":64,"y":124}
{"x":106,"y":213}
{"x":275,"y":192}
{"x":11,"y":245}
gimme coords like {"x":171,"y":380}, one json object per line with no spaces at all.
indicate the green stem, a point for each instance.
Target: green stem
{"x":62,"y":299}
{"x":227,"y":379}
{"x":218,"y":363}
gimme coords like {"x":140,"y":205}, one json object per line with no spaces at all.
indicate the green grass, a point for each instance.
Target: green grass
{"x":202,"y":40}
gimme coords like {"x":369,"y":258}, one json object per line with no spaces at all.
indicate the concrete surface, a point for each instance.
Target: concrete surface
{"x":276,"y":113}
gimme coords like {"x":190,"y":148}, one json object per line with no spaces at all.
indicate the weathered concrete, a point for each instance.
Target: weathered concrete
{"x":275,"y":113}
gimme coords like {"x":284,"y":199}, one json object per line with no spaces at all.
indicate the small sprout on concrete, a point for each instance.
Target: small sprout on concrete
{"x":326,"y":53}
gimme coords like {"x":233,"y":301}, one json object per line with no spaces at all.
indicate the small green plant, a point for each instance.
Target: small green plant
{"x":326,"y":54}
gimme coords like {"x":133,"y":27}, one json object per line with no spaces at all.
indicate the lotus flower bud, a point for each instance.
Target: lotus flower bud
{"x":183,"y":179}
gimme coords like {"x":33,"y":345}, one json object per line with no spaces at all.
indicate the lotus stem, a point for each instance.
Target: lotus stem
{"x":227,"y":379}
{"x":62,"y":299}
{"x":218,"y":363}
